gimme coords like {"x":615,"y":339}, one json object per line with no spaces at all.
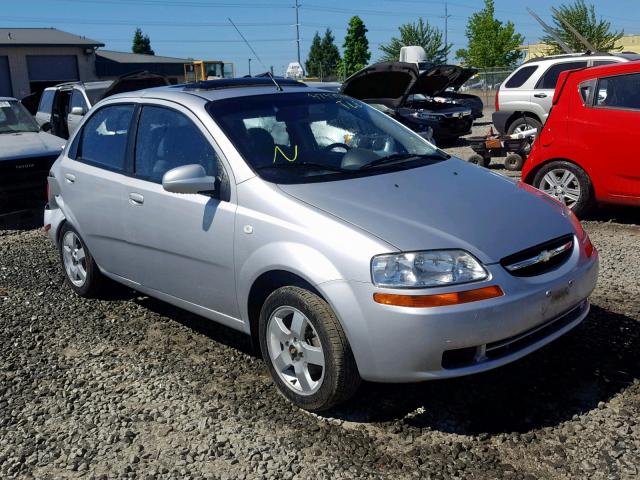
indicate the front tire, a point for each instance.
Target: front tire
{"x":80,"y":269}
{"x":306,"y":350}
{"x":568,"y":183}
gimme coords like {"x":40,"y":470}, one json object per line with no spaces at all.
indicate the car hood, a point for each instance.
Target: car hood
{"x":448,"y":204}
{"x":135,"y":81}
{"x":29,"y":144}
{"x":464,"y":74}
{"x":390,"y":83}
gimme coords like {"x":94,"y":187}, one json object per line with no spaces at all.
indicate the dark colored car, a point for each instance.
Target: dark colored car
{"x":453,"y":95}
{"x":406,"y":94}
{"x":586,"y":153}
{"x":26,"y":154}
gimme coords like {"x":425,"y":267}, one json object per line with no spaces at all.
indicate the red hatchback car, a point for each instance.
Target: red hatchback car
{"x":587,"y":151}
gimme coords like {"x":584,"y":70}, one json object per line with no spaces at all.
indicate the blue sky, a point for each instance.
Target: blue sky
{"x":199,"y":28}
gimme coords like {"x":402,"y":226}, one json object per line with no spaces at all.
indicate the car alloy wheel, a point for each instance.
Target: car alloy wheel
{"x":295,"y":350}
{"x":563,"y":185}
{"x":74,"y":258}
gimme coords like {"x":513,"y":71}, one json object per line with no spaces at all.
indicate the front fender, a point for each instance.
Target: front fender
{"x":299,"y":259}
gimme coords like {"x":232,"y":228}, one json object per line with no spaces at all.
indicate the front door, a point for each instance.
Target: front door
{"x":78,"y":102}
{"x":182,"y":244}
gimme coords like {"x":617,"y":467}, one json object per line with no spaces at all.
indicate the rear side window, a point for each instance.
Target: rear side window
{"x":167,"y":139}
{"x":619,"y":92}
{"x":586,"y":91}
{"x":599,"y":63}
{"x":46,"y":101}
{"x":550,"y":77}
{"x":521,"y":76}
{"x":104,"y":137}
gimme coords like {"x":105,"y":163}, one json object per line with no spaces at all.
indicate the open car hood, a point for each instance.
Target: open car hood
{"x":136,"y":81}
{"x":464,"y":75}
{"x":390,"y":83}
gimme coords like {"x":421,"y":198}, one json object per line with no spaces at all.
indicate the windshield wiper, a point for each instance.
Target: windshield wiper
{"x":401,"y":157}
{"x":317,"y":166}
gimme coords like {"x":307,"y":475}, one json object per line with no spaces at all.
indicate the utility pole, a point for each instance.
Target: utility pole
{"x":446,"y":29}
{"x":298,"y":30}
{"x":249,"y":66}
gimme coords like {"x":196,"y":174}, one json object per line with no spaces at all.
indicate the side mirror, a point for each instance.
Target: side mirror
{"x":45,"y":127}
{"x":188,"y":179}
{"x":77,"y":111}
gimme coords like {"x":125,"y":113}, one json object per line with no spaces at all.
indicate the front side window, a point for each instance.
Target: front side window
{"x":550,"y":78}
{"x":77,"y":100}
{"x":46,"y":101}
{"x":619,"y":92}
{"x":104,"y":137}
{"x":167,"y":139}
{"x":313,"y":136}
{"x":15,"y":118}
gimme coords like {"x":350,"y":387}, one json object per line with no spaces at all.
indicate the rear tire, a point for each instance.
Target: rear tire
{"x":521,"y":124}
{"x":306,"y":350}
{"x":568,"y":183}
{"x":80,"y":269}
{"x":513,"y":162}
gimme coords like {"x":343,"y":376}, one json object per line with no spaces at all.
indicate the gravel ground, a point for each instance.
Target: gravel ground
{"x":130,"y":387}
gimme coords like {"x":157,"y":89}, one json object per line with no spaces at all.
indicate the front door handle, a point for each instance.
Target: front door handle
{"x":136,"y":199}
{"x":540,"y":95}
{"x":70,"y":177}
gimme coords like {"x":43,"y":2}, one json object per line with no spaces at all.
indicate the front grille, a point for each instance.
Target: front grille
{"x":26,"y":172}
{"x":468,"y":356}
{"x":539,"y":259}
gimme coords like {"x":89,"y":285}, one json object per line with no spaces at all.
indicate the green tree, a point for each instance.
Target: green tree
{"x":582,"y":17}
{"x":141,"y":43}
{"x":314,"y":59}
{"x":356,"y":52}
{"x":331,"y":54}
{"x":490,"y":42}
{"x":418,"y":33}
{"x":324,"y":56}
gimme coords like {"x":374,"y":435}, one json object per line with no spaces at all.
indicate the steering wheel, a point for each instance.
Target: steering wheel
{"x":331,"y":146}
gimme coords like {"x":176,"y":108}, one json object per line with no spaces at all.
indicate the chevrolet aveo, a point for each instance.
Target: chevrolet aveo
{"x":346,"y":245}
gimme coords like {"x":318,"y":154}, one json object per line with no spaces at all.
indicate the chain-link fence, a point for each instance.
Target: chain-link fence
{"x":485,"y":83}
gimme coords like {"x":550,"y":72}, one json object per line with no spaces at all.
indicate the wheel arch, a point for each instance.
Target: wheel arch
{"x":265,"y":284}
{"x":518,"y":114}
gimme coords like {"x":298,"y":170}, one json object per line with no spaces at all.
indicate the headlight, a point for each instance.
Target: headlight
{"x":431,"y":268}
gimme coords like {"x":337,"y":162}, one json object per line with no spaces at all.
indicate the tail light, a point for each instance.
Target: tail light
{"x":497,"y":101}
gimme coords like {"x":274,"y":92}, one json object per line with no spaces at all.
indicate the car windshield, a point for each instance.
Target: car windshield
{"x":14,"y":118}
{"x":317,"y":136}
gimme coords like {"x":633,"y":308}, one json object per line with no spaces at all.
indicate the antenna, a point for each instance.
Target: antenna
{"x":551,"y":32}
{"x":278,"y":87}
{"x":580,"y":38}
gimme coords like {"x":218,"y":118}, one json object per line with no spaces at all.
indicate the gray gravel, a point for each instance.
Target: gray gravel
{"x":130,"y":387}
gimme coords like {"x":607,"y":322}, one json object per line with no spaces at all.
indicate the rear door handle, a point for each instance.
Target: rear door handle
{"x":540,"y":95}
{"x":70,"y":177}
{"x":136,"y":199}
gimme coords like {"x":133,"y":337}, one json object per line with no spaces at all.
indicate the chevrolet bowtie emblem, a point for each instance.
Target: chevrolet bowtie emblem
{"x":545,"y":256}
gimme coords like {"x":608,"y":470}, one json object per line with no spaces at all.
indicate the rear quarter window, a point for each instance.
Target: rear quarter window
{"x":520,"y":76}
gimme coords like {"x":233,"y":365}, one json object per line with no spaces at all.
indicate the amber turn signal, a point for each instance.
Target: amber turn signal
{"x":438,"y":299}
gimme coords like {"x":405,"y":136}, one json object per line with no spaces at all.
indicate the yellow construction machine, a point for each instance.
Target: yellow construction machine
{"x":199,"y":70}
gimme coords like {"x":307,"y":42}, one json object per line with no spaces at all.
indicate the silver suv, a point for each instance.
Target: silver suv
{"x":524,"y":99}
{"x":346,"y":245}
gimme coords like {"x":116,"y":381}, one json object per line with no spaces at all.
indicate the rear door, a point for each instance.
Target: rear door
{"x":94,"y":171}
{"x":615,"y":123}
{"x":77,"y":101}
{"x":542,"y":94}
{"x":45,"y":107}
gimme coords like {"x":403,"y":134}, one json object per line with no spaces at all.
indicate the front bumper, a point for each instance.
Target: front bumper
{"x":401,"y":344}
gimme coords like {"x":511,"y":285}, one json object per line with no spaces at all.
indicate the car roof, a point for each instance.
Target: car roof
{"x":212,"y":90}
{"x":604,"y":70}
{"x":627,"y":55}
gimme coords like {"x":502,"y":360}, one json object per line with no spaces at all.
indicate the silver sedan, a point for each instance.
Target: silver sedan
{"x":347,"y":246}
